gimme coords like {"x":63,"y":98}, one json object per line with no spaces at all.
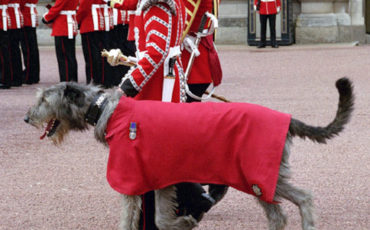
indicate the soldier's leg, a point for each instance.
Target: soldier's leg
{"x":147,"y":218}
{"x":198,"y":90}
{"x":86,"y":49}
{"x":272,"y":22}
{"x":193,"y":200}
{"x":263,"y":21}
{"x":5,"y":75}
{"x":66,"y":57}
{"x":31,"y":59}
{"x":15,"y":57}
{"x":70,"y":54}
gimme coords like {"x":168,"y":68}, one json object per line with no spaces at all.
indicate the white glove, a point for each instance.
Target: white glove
{"x":190,"y":46}
{"x":114,"y":2}
{"x":115,"y":57}
{"x":278,"y":9}
{"x":255,"y":7}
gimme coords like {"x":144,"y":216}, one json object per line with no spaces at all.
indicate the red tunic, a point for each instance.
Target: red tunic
{"x":157,"y":32}
{"x":94,"y":15}
{"x":15,"y":14}
{"x":29,"y":12}
{"x":206,"y":67}
{"x":236,"y":144}
{"x":58,"y":14}
{"x":4,"y":15}
{"x":268,"y":6}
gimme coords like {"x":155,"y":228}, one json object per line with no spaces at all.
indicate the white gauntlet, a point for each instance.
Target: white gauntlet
{"x":115,"y":57}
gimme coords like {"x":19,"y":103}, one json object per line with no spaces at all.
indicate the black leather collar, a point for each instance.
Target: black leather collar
{"x":96,"y":108}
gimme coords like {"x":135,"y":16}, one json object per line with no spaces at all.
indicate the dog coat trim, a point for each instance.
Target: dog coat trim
{"x":235,"y":144}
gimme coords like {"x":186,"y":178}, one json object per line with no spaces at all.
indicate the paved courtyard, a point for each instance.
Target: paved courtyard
{"x":47,"y":187}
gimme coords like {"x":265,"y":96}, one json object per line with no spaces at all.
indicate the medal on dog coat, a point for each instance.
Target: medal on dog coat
{"x":155,"y":144}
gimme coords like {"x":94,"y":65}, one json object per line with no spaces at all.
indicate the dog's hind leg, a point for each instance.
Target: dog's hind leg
{"x":275,"y":215}
{"x":299,"y":197}
{"x":165,"y":215}
{"x":130,"y":216}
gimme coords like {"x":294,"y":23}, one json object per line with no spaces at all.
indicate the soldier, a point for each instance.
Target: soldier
{"x":5,"y":74}
{"x":29,"y":44}
{"x":14,"y":31}
{"x":62,"y":18}
{"x":95,"y":20}
{"x":268,"y":10}
{"x":206,"y":69}
{"x":158,"y":27}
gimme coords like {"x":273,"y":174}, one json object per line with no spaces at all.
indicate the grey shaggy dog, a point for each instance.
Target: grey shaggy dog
{"x":63,"y":107}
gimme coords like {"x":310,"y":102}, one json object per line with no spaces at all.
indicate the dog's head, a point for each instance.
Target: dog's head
{"x":61,"y":108}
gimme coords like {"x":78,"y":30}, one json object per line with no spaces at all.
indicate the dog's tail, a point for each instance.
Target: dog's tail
{"x":345,"y":108}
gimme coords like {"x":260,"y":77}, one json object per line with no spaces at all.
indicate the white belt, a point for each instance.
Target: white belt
{"x":33,"y":13}
{"x":70,"y":21}
{"x":169,"y":82}
{"x":268,"y":0}
{"x":115,"y":16}
{"x":94,"y":12}
{"x":4,"y":16}
{"x":16,"y":12}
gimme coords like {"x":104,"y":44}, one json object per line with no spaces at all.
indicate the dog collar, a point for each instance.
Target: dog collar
{"x":96,"y":108}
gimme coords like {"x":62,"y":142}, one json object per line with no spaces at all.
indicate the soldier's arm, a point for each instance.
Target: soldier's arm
{"x":124,"y":4}
{"x":157,"y":21}
{"x":54,"y":11}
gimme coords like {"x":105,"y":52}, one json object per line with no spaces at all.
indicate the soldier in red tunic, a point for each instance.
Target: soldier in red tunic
{"x":206,"y":68}
{"x":14,"y":31}
{"x":5,"y":73}
{"x":62,"y":17}
{"x":29,"y":44}
{"x":95,"y":21}
{"x":268,"y":10}
{"x":158,"y":27}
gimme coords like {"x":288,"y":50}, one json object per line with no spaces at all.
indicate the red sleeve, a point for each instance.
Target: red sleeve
{"x":55,"y":10}
{"x":127,"y":5}
{"x":255,"y":2}
{"x":157,"y":20}
{"x":278,"y":3}
{"x":83,"y":9}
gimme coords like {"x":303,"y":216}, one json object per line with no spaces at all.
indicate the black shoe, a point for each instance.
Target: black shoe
{"x":16,"y":84}
{"x":3,"y":86}
{"x":261,"y":46}
{"x":275,"y":46}
{"x":28,"y":82}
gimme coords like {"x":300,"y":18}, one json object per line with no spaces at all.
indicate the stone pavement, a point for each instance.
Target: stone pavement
{"x":43,"y":186}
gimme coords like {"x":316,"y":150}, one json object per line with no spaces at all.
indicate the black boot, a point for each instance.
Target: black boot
{"x":193,"y":200}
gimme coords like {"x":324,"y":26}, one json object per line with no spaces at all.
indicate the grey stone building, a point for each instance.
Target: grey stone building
{"x":300,"y":21}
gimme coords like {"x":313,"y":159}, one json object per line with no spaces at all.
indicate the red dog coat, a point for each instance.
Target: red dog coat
{"x":156,"y":144}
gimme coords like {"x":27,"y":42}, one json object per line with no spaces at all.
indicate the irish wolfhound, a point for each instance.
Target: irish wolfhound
{"x":64,"y":107}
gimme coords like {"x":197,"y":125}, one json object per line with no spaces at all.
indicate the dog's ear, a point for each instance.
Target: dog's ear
{"x":74,"y":95}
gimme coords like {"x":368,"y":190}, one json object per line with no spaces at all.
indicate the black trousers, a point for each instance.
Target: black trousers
{"x":5,"y":71}
{"x":31,"y":58}
{"x":128,"y":48}
{"x":197,"y":90}
{"x":15,"y":56}
{"x":97,"y":68}
{"x":272,"y":22}
{"x":65,"y":50}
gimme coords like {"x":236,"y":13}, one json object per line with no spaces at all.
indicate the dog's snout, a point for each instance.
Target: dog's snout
{"x":26,"y":119}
